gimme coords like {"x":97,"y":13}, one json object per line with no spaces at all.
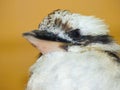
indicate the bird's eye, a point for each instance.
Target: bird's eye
{"x":74,"y":34}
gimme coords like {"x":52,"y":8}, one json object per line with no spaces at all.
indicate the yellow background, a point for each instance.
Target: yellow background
{"x":18,"y":16}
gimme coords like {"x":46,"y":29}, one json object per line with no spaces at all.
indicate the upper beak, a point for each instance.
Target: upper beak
{"x":45,"y":35}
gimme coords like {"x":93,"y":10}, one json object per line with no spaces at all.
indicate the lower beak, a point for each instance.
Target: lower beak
{"x":44,"y":41}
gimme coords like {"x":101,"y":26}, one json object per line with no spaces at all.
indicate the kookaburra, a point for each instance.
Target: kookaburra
{"x":77,"y":54}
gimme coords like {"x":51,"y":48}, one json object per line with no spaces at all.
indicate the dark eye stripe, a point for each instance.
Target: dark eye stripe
{"x":77,"y":38}
{"x":49,"y":36}
{"x":74,"y":34}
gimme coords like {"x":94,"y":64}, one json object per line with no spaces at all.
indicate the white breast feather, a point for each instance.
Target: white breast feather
{"x":86,"y":70}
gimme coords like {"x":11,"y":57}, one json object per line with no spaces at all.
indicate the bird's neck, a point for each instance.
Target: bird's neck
{"x":112,"y":47}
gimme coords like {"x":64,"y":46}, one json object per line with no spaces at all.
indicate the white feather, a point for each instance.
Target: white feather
{"x":84,"y":70}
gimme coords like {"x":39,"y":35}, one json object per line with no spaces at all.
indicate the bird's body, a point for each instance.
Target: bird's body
{"x":90,"y":59}
{"x":84,"y":70}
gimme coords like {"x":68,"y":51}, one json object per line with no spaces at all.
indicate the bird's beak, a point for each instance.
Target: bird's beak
{"x":43,"y":41}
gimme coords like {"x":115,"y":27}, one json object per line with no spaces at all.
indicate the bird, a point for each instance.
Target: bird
{"x":77,"y":54}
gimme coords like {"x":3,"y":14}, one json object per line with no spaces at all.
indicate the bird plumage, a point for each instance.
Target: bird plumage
{"x":63,"y":20}
{"x":90,"y":59}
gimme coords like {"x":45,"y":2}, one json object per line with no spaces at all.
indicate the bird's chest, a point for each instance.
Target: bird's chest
{"x":91,"y":70}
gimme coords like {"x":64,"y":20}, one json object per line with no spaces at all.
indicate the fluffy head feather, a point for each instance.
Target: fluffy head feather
{"x":62,"y":20}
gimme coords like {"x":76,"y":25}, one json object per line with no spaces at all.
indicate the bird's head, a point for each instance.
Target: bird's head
{"x":62,"y":28}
